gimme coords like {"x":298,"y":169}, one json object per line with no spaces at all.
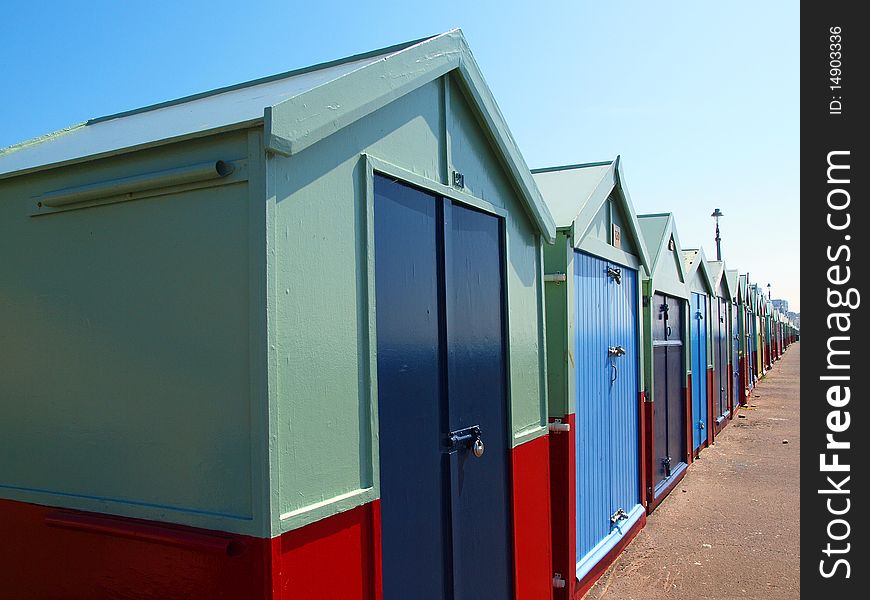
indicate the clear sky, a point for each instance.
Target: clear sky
{"x":701,"y":99}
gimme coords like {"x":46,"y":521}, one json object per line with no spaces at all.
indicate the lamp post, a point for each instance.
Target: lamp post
{"x":716,"y":214}
{"x":768,"y":291}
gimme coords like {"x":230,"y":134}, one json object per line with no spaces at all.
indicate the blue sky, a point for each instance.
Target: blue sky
{"x":701,"y":99}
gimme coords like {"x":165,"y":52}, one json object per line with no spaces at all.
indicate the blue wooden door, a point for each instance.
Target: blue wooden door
{"x":592,"y":374}
{"x":735,"y":356}
{"x":669,"y":409}
{"x":607,"y":425}
{"x":677,"y":408}
{"x":698,"y":330}
{"x":753,"y":342}
{"x":445,"y":513}
{"x":480,"y":485}
{"x":721,"y":374}
{"x":625,"y":419}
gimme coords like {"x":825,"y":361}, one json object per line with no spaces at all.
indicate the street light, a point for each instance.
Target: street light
{"x":716,"y":214}
{"x":768,"y":291}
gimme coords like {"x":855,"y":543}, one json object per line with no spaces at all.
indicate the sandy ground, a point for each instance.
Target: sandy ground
{"x":731,"y":527}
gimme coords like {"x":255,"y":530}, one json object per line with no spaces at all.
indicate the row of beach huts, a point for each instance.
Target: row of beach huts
{"x":324,"y":335}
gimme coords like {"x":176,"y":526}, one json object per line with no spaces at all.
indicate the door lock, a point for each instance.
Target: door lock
{"x":666,"y":463}
{"x":616,"y":351}
{"x":701,"y":425}
{"x":468,"y":438}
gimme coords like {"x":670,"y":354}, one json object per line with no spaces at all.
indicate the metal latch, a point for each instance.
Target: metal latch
{"x":615,"y":274}
{"x":468,"y":437}
{"x":619,"y":515}
{"x":555,"y":277}
{"x":699,"y":315}
{"x":558,"y":426}
{"x":615,"y":352}
{"x":663,"y":308}
{"x":701,"y":425}
{"x":666,"y":463}
{"x":558,"y":581}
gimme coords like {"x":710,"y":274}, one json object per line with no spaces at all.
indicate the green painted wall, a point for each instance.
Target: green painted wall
{"x":128,"y":331}
{"x":598,"y":238}
{"x":559,"y":259}
{"x":323,"y":417}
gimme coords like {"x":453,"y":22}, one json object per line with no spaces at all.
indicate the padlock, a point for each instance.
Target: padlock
{"x":477,"y":448}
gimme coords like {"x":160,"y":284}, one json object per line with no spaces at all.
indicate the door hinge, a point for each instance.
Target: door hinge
{"x":555,"y":277}
{"x":619,"y":515}
{"x":615,"y":274}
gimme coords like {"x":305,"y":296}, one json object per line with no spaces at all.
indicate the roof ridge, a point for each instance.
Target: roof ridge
{"x":569,"y":167}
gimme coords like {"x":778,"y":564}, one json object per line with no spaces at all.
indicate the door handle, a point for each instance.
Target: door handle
{"x":468,"y":438}
{"x":615,"y":352}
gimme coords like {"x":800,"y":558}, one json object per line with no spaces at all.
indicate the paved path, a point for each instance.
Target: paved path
{"x":731,"y":528}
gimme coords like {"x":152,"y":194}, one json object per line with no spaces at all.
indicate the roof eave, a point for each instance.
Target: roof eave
{"x":301,"y":121}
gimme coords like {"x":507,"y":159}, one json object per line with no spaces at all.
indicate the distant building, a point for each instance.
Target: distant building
{"x":780,"y":305}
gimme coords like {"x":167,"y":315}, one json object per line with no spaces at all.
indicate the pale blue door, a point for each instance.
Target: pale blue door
{"x":607,"y":424}
{"x":698,"y":329}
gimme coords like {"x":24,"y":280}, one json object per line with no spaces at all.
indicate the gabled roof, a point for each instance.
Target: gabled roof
{"x":696,"y":260}
{"x":574,"y":194}
{"x":743,"y":282}
{"x":732,"y":276}
{"x":717,"y":272}
{"x":657,"y":230}
{"x":296,"y":109}
{"x":226,"y":108}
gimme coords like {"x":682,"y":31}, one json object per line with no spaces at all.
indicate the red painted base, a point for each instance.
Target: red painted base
{"x":583,"y":586}
{"x":56,"y":553}
{"x":690,"y":419}
{"x":338,"y":557}
{"x":533,"y":560}
{"x":647,"y":452}
{"x":562,"y":508}
{"x":52,"y":553}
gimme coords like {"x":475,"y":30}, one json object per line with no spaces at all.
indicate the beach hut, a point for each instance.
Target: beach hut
{"x":721,"y":338}
{"x":666,"y":412}
{"x":732,"y":279}
{"x":594,"y":368}
{"x":747,"y":380}
{"x":283,"y":339}
{"x":701,"y":290}
{"x":758,"y":331}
